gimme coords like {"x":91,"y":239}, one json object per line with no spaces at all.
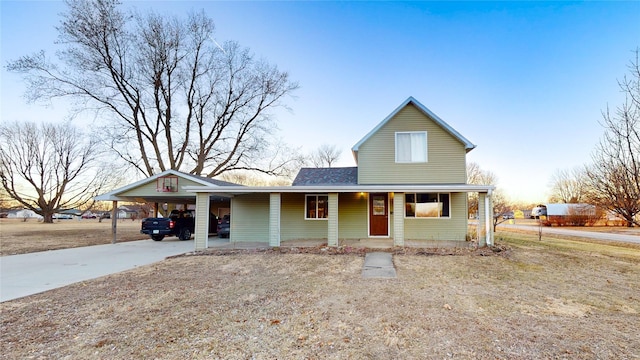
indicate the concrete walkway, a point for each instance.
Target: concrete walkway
{"x":378,"y":265}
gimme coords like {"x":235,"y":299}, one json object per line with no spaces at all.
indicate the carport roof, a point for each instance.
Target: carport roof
{"x":182,"y":197}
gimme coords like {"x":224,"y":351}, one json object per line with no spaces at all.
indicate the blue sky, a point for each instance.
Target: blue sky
{"x":524,"y":81}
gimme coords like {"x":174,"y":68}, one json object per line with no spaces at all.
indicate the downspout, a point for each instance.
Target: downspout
{"x":488,"y":219}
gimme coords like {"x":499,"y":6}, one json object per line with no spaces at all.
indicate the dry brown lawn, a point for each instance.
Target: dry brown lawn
{"x":20,"y":237}
{"x":534,"y":300}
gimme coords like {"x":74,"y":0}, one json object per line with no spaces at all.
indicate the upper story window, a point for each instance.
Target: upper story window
{"x":428,"y":205}
{"x":411,"y":147}
{"x":167,"y":184}
{"x":316,"y":207}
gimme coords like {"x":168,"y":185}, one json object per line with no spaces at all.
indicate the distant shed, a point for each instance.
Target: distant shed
{"x":571,"y":214}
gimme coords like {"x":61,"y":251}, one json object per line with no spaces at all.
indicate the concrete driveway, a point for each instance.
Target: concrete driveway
{"x":28,"y":274}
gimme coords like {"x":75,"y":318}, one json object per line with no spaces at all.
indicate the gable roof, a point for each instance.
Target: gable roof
{"x":446,"y":127}
{"x":326,"y":176}
{"x":113,"y":195}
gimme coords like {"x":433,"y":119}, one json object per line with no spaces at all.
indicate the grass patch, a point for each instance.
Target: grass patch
{"x":539,"y":299}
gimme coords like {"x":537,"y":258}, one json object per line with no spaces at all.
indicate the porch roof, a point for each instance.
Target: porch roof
{"x":240,"y":190}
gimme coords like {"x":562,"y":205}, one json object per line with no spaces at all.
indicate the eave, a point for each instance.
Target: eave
{"x":241,"y":190}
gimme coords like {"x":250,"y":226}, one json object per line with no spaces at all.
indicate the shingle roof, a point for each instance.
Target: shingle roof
{"x":327,"y":176}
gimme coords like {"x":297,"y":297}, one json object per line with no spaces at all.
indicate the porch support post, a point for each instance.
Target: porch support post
{"x":488,"y":206}
{"x":332,"y":223}
{"x":398,"y":219}
{"x":481,"y":228}
{"x":202,"y":221}
{"x":114,"y":221}
{"x":274,"y":219}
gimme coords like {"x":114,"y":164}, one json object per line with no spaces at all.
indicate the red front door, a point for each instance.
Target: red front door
{"x":378,"y":214}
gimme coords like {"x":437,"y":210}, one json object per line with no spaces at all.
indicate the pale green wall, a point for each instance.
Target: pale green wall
{"x":250,"y":218}
{"x":293,"y":224}
{"x":445,"y":161}
{"x":353,"y":216}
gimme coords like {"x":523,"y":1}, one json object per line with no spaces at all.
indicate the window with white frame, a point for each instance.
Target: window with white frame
{"x":167,"y":184}
{"x":316,"y":207}
{"x":427,"y":205}
{"x":411,"y":147}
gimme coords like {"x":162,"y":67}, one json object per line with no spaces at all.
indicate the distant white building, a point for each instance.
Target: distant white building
{"x":570,"y":209}
{"x":23,"y":214}
{"x":570,"y":214}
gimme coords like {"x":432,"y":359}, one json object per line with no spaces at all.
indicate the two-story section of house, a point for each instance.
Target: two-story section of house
{"x":409,"y":187}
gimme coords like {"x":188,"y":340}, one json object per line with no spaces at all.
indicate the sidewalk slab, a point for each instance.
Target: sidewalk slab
{"x":378,"y":265}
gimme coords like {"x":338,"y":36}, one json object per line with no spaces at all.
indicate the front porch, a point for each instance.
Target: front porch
{"x":282,"y":216}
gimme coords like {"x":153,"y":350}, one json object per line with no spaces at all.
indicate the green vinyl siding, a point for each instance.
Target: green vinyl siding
{"x":445,"y":154}
{"x":453,"y":228}
{"x":250,"y":218}
{"x":353,"y":216}
{"x":149,"y":189}
{"x":293,"y":224}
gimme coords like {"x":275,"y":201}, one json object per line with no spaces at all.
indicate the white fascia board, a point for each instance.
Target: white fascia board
{"x":237,"y":190}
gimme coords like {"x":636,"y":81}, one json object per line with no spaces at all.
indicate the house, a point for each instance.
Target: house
{"x":23,"y":214}
{"x":409,"y":184}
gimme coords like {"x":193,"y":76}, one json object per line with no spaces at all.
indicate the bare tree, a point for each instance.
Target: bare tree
{"x":325,"y":156}
{"x":252,"y":179}
{"x":170,"y":96}
{"x":614,"y":175}
{"x":478,"y":176}
{"x":569,"y":186}
{"x":48,"y":167}
{"x":501,"y":208}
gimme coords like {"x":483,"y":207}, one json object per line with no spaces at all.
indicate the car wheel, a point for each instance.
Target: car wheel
{"x":157,"y":237}
{"x":185,"y":234}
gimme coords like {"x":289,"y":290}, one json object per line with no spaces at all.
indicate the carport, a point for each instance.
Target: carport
{"x":166,"y":188}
